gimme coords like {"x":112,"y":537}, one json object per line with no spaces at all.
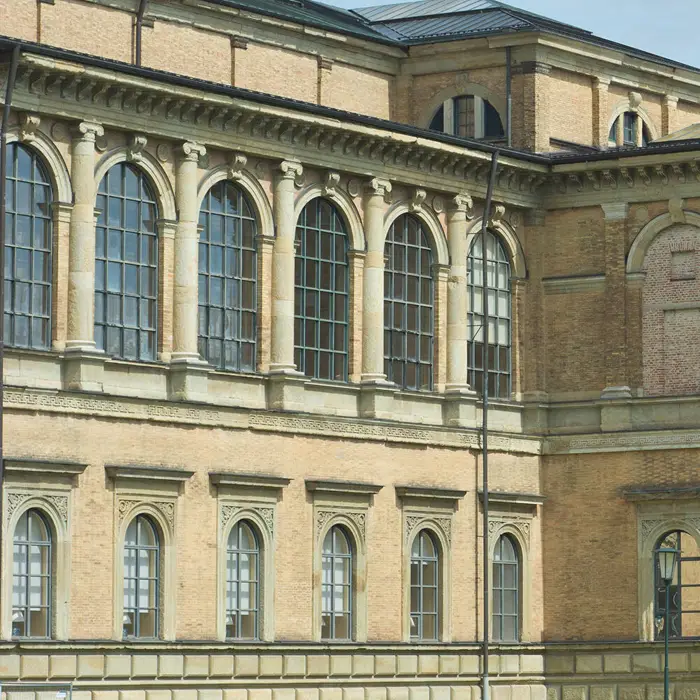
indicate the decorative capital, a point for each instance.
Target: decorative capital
{"x":331,"y":184}
{"x":325,"y":63}
{"x":670,"y":101}
{"x":461,"y":202}
{"x":292,"y":170}
{"x":615,"y":211}
{"x":498,"y":211}
{"x":236,"y":165}
{"x":417,"y":200}
{"x":238,"y":42}
{"x":89,"y":131}
{"x":134,"y":153}
{"x":377,"y":187}
{"x":193,"y":151}
{"x":601,"y":83}
{"x":29,"y":123}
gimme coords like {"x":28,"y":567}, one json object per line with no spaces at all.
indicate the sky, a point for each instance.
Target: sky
{"x":670,"y":28}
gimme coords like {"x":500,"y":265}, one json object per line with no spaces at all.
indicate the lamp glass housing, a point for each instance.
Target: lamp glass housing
{"x":667,"y":559}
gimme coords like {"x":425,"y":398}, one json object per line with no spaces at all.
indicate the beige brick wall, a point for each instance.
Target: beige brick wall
{"x":19,"y":19}
{"x":362,"y":91}
{"x":570,"y":107}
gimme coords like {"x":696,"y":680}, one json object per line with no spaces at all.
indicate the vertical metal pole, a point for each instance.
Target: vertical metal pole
{"x":668,"y":602}
{"x":485,"y":424}
{"x":11,"y":77}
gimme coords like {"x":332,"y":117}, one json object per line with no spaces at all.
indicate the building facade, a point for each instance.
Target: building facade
{"x":244,"y":353}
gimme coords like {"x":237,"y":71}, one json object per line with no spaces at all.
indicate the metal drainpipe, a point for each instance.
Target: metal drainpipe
{"x":509,"y":98}
{"x":9,"y":88}
{"x":485,"y":424}
{"x":139,"y":31}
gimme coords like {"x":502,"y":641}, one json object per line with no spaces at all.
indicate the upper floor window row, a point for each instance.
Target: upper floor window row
{"x":128,"y":281}
{"x":629,"y":129}
{"x":469,"y":116}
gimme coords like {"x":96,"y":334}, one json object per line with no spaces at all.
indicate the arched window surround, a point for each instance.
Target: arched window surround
{"x":625,"y":106}
{"x":167,"y":571}
{"x":60,"y":564}
{"x":266,"y":572}
{"x":356,"y":540}
{"x":420,"y":524}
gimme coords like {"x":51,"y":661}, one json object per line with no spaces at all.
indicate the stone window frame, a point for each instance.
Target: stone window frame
{"x":48,"y":487}
{"x":513,"y":514}
{"x":347,"y":504}
{"x":253,"y":498}
{"x":659,"y":510}
{"x":154,"y":492}
{"x":432,"y":509}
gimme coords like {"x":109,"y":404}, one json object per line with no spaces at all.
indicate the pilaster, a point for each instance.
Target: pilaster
{"x":61,"y":216}
{"x":601,"y":87}
{"x":357,"y":262}
{"x":440,"y":277}
{"x":266,"y":246}
{"x":669,"y":111}
{"x":166,"y":252}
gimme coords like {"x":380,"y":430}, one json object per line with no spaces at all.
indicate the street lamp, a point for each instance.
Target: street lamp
{"x":666,"y":559}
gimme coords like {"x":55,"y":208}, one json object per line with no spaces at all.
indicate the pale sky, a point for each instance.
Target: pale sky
{"x":670,"y":28}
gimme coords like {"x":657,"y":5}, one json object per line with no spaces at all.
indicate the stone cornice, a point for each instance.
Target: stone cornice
{"x":333,"y":486}
{"x":133,"y":472}
{"x":27,"y":465}
{"x":239,"y":480}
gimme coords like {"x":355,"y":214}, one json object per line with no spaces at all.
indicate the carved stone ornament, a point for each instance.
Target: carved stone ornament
{"x":331,"y":184}
{"x":261,"y":169}
{"x":193,"y":151}
{"x":675,"y":209}
{"x":59,"y":131}
{"x":462,"y":202}
{"x":323,"y":516}
{"x":134,"y":152}
{"x":414,"y":521}
{"x":88,"y":131}
{"x":236,"y":165}
{"x":635,"y":100}
{"x":417,"y":200}
{"x":292,"y":170}
{"x":58,"y":501}
{"x":354,"y":187}
{"x":498,"y":211}
{"x":462,"y":80}
{"x":163,"y":152}
{"x":380,"y":188}
{"x":522,"y":525}
{"x":14,"y":500}
{"x":29,"y":123}
{"x":266,"y":514}
{"x":167,"y":508}
{"x":438,"y":204}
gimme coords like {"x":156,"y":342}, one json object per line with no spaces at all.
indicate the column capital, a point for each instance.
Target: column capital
{"x":615,"y":211}
{"x":377,"y":187}
{"x":461,"y":202}
{"x":88,"y":131}
{"x":601,"y":83}
{"x":192,"y":151}
{"x":292,"y":170}
{"x":670,"y":100}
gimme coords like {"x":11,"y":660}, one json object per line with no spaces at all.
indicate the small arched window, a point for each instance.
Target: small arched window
{"x":408,"y":305}
{"x":32,"y":564}
{"x":126,"y":265}
{"x":28,"y":247}
{"x":469,"y":116}
{"x":228,"y":272}
{"x":242,"y":582}
{"x":506,"y":591}
{"x":425,"y":575}
{"x":322,"y":290}
{"x":336,"y":586}
{"x":684,"y":601}
{"x":141,"y":579}
{"x":625,"y":131}
{"x":499,"y":316}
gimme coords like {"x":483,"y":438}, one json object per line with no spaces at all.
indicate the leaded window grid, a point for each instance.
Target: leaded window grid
{"x":28,"y":250}
{"x":505,"y":615}
{"x":234,"y":578}
{"x":23,"y":549}
{"x":126,"y":265}
{"x":409,"y":298}
{"x":321,"y":292}
{"x":500,"y":317}
{"x":334,"y":558}
{"x":423,"y":556}
{"x":151,"y":580}
{"x":228,"y":272}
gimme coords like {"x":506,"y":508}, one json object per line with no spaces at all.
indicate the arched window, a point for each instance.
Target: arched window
{"x":499,"y":303}
{"x":27,"y":250}
{"x":141,"y":579}
{"x":126,"y":265}
{"x":425,"y":574}
{"x":408,"y":305}
{"x":684,"y":603}
{"x":228,"y":272}
{"x":505,"y":615}
{"x":627,"y":132}
{"x":321,"y":292}
{"x":32,"y":564}
{"x":469,"y":116}
{"x":336,"y":586}
{"x":242,"y":582}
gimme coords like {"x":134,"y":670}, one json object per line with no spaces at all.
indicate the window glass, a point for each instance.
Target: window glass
{"x":242,"y":582}
{"x":506,"y":591}
{"x":469,"y":116}
{"x":140,"y":617}
{"x":28,"y":250}
{"x":126,"y":265}
{"x":424,"y":600}
{"x":336,"y":586}
{"x":321,"y":293}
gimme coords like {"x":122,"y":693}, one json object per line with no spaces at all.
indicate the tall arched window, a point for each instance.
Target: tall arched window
{"x":499,"y":303}
{"x":141,"y":579}
{"x":425,"y":574}
{"x":684,"y":603}
{"x":408,"y":305}
{"x":627,"y":132}
{"x":126,"y":265}
{"x":469,"y":116}
{"x":322,"y":289}
{"x":336,"y":586}
{"x":228,"y":272}
{"x":505,"y":616}
{"x":242,"y":582}
{"x":27,"y":250}
{"x":32,"y":564}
